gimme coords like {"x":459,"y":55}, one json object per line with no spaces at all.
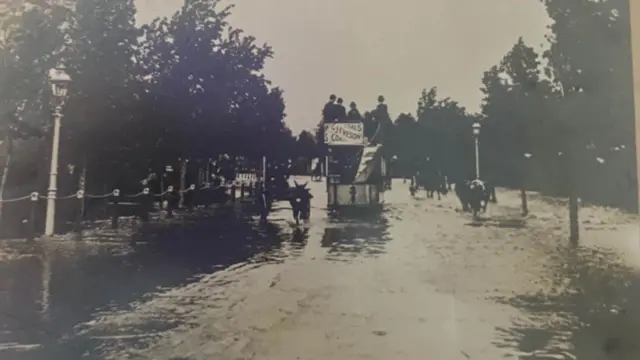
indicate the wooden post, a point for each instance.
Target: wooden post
{"x":634,"y":11}
{"x":524,"y":175}
{"x":190,"y":197}
{"x":170,"y":202}
{"x":145,"y":204}
{"x":242,"y":191}
{"x":200,"y":173}
{"x":525,"y":203}
{"x":183,"y":181}
{"x":77,"y":223}
{"x":264,"y":170}
{"x":32,"y":216}
{"x":115,"y":200}
{"x":233,"y":192}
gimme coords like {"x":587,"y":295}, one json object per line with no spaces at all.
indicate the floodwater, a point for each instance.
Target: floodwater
{"x":424,"y":277}
{"x":48,"y":288}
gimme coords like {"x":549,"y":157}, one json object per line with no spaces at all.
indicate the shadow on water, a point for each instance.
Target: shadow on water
{"x":501,"y":222}
{"x":349,"y":238}
{"x":589,"y":311}
{"x":48,"y":288}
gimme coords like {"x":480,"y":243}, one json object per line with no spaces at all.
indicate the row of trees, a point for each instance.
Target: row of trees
{"x":188,"y":86}
{"x":191,"y":86}
{"x":569,"y":108}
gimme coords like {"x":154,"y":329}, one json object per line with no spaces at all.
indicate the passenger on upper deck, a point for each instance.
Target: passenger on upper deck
{"x":354,"y":114}
{"x":382,"y":119}
{"x":381,"y":110}
{"x":341,"y":112}
{"x":328,"y":112}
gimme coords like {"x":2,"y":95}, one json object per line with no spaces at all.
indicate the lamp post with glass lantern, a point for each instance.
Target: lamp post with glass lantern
{"x":476,"y":136}
{"x":59,"y":80}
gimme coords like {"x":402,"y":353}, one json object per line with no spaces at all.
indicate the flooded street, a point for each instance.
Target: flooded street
{"x":418,"y":280}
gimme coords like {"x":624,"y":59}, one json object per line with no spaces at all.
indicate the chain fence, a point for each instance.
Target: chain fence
{"x":80,"y":194}
{"x":25,"y":213}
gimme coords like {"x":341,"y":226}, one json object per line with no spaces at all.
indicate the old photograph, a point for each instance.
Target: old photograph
{"x":319,"y":180}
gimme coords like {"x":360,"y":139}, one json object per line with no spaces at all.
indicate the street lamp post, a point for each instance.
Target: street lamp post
{"x":59,"y":85}
{"x":476,"y":136}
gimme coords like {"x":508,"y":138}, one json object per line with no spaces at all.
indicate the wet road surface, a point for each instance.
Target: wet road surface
{"x":419,"y":280}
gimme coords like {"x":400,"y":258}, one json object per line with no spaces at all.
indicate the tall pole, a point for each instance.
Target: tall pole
{"x":477,"y":157}
{"x":183,"y":180}
{"x":53,"y":174}
{"x":571,"y":168}
{"x":634,"y":10}
{"x":523,"y":184}
{"x":264,"y":172}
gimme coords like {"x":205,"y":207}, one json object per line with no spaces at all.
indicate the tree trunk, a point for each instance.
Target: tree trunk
{"x":571,"y":167}
{"x":523,"y":199}
{"x":5,"y":173}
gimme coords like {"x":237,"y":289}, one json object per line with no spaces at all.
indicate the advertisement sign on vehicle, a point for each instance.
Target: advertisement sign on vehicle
{"x":344,"y":134}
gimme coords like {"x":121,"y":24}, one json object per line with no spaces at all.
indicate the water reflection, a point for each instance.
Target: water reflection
{"x":48,"y":288}
{"x":21,"y":315}
{"x":299,"y":238}
{"x":589,"y":311}
{"x":349,"y":239}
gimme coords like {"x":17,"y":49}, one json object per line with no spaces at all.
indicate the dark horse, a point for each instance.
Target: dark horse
{"x":434,"y":183}
{"x":300,"y":201}
{"x":474,"y":195}
{"x":431,"y":180}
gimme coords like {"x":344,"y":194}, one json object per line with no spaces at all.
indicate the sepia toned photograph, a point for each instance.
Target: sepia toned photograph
{"x":319,"y":180}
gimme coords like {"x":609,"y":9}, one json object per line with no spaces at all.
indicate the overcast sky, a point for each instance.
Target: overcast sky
{"x":341,"y":47}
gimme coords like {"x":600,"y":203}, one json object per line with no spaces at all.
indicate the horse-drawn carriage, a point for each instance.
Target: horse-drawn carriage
{"x":356,"y":172}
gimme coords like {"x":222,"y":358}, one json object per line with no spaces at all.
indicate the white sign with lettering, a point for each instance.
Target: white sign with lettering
{"x":344,"y":134}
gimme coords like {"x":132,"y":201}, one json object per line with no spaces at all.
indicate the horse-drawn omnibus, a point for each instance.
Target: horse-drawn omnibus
{"x":356,"y":171}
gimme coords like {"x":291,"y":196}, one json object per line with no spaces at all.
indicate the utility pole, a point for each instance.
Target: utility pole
{"x":634,"y":11}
